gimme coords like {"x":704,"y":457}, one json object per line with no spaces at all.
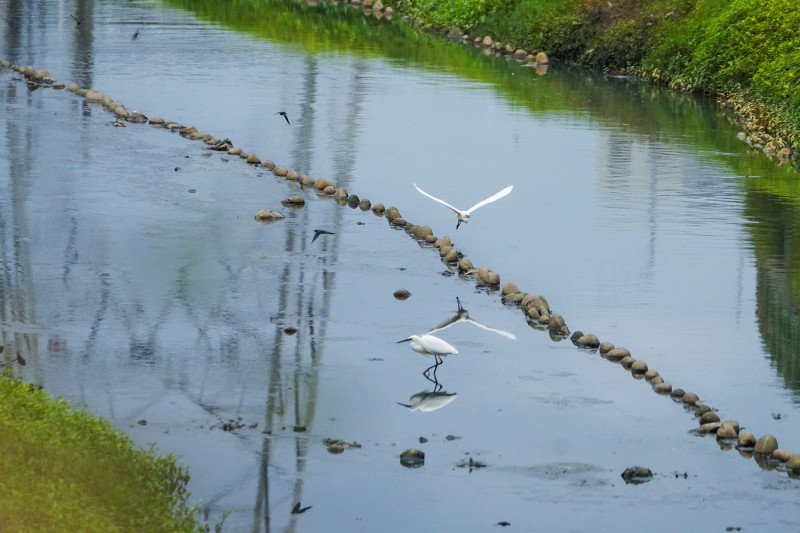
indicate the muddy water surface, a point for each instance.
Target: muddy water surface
{"x":136,"y":282}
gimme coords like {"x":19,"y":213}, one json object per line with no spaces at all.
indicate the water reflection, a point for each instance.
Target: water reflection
{"x":427,"y":401}
{"x":776,"y":222}
{"x":174,"y":305}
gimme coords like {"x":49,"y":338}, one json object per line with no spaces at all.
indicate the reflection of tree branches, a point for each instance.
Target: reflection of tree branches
{"x":300,"y":286}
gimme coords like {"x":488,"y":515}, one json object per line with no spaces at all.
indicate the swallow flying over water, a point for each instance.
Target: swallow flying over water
{"x":76,"y":20}
{"x":318,"y":232}
{"x":297,"y":510}
{"x":284,"y":116}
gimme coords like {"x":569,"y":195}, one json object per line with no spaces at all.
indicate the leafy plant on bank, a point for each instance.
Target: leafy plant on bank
{"x":738,"y":47}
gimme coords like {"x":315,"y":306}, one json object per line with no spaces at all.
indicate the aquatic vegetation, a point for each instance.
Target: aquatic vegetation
{"x":65,"y":470}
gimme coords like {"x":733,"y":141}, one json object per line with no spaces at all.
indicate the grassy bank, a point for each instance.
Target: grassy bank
{"x":741,"y":49}
{"x":64,"y":470}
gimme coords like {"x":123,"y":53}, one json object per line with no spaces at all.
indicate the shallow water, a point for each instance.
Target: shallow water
{"x":135,"y":281}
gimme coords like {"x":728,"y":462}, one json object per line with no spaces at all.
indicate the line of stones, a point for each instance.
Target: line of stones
{"x":535,"y":307}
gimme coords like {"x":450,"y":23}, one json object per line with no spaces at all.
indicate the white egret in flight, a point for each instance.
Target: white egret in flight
{"x":462,"y":315}
{"x":463,"y":216}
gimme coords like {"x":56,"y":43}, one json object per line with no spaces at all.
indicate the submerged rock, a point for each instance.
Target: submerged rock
{"x":727,"y":431}
{"x":412,"y":458}
{"x":402,"y":294}
{"x":662,"y":388}
{"x":793,"y":464}
{"x":782,"y":455}
{"x":766,"y":445}
{"x":558,"y":325}
{"x":267,"y":214}
{"x":423,"y":231}
{"x":491,"y":278}
{"x":509,"y":288}
{"x":588,"y":341}
{"x":617,"y":354}
{"x":606,"y":347}
{"x":747,"y":440}
{"x":336,"y":448}
{"x":322,"y":183}
{"x":94,"y":96}
{"x":295,"y":200}
{"x":637,"y":474}
{"x":690,"y":398}
{"x":136,"y":117}
{"x":392,"y":213}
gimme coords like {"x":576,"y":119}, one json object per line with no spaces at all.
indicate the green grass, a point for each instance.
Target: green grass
{"x":736,"y":47}
{"x":64,"y":470}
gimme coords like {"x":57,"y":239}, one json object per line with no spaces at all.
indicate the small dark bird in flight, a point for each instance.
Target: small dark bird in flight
{"x":284,"y":116}
{"x":135,"y":35}
{"x":76,"y":20}
{"x":318,"y":232}
{"x":297,"y":510}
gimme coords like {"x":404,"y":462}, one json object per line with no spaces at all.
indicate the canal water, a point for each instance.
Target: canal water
{"x":135,"y":281}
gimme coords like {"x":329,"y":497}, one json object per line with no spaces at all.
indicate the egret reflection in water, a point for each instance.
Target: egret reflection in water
{"x":426,"y":401}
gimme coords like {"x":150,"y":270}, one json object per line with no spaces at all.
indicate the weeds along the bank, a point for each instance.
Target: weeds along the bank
{"x":64,"y":470}
{"x":747,"y":50}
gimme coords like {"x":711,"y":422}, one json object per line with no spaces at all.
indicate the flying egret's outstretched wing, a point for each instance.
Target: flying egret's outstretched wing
{"x":505,"y":334}
{"x":456,"y":211}
{"x":487,"y":201}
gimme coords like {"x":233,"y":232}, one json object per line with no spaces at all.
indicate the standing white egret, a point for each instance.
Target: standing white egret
{"x":430,"y":345}
{"x":463,"y":216}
